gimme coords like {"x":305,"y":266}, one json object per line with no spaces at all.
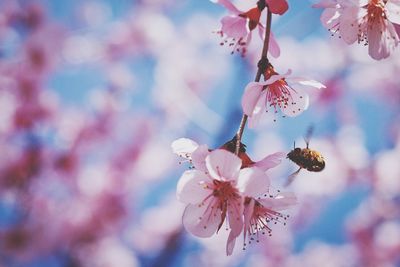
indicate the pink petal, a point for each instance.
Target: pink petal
{"x":297,"y":104}
{"x":380,"y":40}
{"x":234,"y":26}
{"x":349,"y":25}
{"x":274,"y":48}
{"x":393,"y":11}
{"x":184,"y":146}
{"x":248,"y":213}
{"x":202,"y":220}
{"x":330,"y":18}
{"x":277,"y":6}
{"x":251,"y":95}
{"x":253,"y":182}
{"x":258,"y":110}
{"x":228,"y":5}
{"x":223,"y":165}
{"x":270,"y":161}
{"x":306,"y":82}
{"x":235,"y":217}
{"x":280,"y":202}
{"x":325,"y":4}
{"x":191,"y":188}
{"x":230,"y":244}
{"x":199,"y":157}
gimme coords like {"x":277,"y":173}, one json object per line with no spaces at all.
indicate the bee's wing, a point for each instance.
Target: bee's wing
{"x":308,"y":135}
{"x":291,"y":177}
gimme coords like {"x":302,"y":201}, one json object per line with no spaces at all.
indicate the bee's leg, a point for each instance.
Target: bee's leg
{"x":291,"y":177}
{"x":294,"y":144}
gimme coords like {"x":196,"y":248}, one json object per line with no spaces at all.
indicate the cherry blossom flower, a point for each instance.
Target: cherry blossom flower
{"x":277,"y":93}
{"x":215,"y":195}
{"x":237,"y":28}
{"x":367,"y":21}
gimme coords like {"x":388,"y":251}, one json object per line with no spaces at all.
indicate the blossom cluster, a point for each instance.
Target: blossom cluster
{"x":223,"y":186}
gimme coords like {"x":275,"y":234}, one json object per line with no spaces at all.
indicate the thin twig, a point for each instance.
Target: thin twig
{"x":261,"y":67}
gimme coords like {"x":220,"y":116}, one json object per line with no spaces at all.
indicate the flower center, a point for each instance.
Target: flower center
{"x":224,"y":190}
{"x":278,"y":94}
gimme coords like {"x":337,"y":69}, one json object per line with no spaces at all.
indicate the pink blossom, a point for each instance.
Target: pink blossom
{"x":277,"y":93}
{"x":368,"y":21}
{"x":215,"y":195}
{"x":237,"y":28}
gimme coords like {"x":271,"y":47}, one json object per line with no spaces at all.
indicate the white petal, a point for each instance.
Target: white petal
{"x":297,"y":104}
{"x":192,"y":187}
{"x":253,"y":182}
{"x":184,"y":146}
{"x":223,"y":165}
{"x":202,"y":220}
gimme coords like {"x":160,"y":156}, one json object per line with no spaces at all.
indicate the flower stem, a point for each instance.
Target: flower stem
{"x":262,"y":64}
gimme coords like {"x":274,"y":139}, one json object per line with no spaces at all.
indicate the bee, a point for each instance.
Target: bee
{"x":305,"y":158}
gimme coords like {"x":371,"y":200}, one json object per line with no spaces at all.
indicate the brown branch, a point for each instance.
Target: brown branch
{"x":262,"y":65}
